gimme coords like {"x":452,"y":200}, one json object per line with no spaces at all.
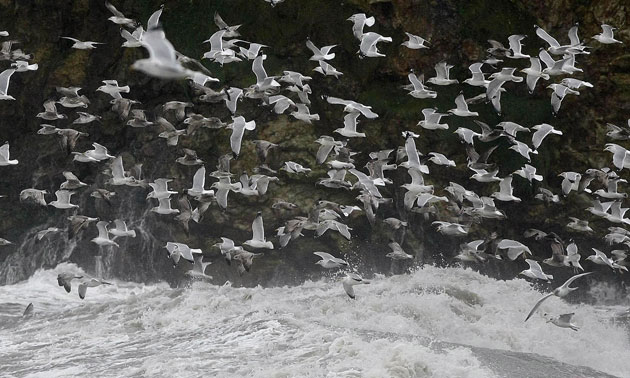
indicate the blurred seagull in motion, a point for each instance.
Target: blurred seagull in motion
{"x":329,"y":261}
{"x":560,"y":292}
{"x":162,"y":62}
{"x":350,"y":281}
{"x":83,"y":45}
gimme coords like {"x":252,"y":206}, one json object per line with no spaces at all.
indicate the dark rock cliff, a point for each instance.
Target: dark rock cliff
{"x":457,"y":30}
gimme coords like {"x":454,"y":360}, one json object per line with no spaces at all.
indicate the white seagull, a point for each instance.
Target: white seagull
{"x":258,"y":235}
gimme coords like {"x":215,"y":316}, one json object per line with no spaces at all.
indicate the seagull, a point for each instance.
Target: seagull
{"x":329,"y":261}
{"x":79,"y":222}
{"x":198,"y":190}
{"x":462,"y":108}
{"x":281,"y":103}
{"x":618,"y":133}
{"x":442,"y":75}
{"x":360,"y":20}
{"x":528,"y":173}
{"x":515,"y":47}
{"x":33,"y":195}
{"x":4,"y":156}
{"x":542,"y":131}
{"x":72,"y":182}
{"x":112,"y":88}
{"x":514,"y":248}
{"x":199,"y":267}
{"x":120,"y":230}
{"x":160,"y":189}
{"x":243,"y":260}
{"x":233,"y":95}
{"x":327,"y":70}
{"x":559,"y":92}
{"x":511,"y":128}
{"x":258,"y":235}
{"x":238,"y":127}
{"x":353,"y":107}
{"x":350,"y":281}
{"x":554,"y":46}
{"x":600,"y":258}
{"x":162,"y":62}
{"x":293,"y":167}
{"x":230,"y":31}
{"x":190,"y":158}
{"x":63,"y":200}
{"x":91,"y":283}
{"x":523,"y":149}
{"x":263,"y":82}
{"x":534,"y":72}
{"x":23,"y":66}
{"x":505,"y":192}
{"x":118,"y":17}
{"x":419,"y":90}
{"x":560,"y":292}
{"x":132,"y":39}
{"x":606,"y":36}
{"x":50,"y":112}
{"x":368,"y":45}
{"x":320,"y":54}
{"x":547,"y":196}
{"x":350,"y":126}
{"x":103,"y":235}
{"x":535,"y":271}
{"x":65,"y":280}
{"x":478,"y":79}
{"x":164,"y":207}
{"x":177,"y":251}
{"x":85,"y":118}
{"x":432,"y":120}
{"x":178,"y":107}
{"x":83,"y":45}
{"x":303,"y":114}
{"x":415,"y":42}
{"x":223,"y":187}
{"x":482,"y":175}
{"x":397,"y":252}
{"x":562,"y":321}
{"x":451,"y":229}
{"x":5,"y":76}
{"x":499,"y":78}
{"x":439,"y":159}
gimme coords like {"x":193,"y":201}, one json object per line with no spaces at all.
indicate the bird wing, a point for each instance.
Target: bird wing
{"x":102,"y":230}
{"x":154,"y":20}
{"x":324,"y":255}
{"x":546,"y":37}
{"x":540,"y":301}
{"x":258,"y":69}
{"x":4,"y":80}
{"x":350,"y":121}
{"x":258,"y":231}
{"x":570,"y":280}
{"x":159,"y":47}
{"x":199,"y":179}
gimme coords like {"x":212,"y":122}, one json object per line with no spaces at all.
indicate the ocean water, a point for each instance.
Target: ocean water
{"x":435,"y":322}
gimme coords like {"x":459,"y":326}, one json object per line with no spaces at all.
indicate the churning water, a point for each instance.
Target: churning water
{"x":435,"y":322}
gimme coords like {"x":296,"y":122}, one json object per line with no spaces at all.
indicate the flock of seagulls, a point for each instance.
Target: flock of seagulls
{"x":451,"y":214}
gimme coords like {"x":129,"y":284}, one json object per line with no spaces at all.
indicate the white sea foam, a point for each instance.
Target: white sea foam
{"x":425,"y":324}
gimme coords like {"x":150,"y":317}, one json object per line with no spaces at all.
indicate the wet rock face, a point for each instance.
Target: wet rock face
{"x":457,"y":32}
